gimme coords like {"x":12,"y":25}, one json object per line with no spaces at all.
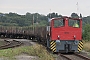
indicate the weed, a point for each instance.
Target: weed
{"x":36,"y":50}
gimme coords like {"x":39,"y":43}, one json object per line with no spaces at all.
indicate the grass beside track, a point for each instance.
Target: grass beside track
{"x":87,"y":46}
{"x":36,"y":50}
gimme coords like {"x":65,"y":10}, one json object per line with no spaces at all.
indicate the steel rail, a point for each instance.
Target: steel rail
{"x":64,"y":56}
{"x":75,"y":54}
{"x":84,"y":57}
{"x":10,"y":44}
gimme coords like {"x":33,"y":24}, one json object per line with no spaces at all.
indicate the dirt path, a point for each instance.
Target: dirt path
{"x":26,"y":57}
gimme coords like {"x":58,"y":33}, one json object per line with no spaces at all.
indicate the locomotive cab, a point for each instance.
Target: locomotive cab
{"x":66,"y":35}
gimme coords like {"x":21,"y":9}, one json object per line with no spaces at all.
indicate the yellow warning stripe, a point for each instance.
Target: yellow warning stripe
{"x":79,"y":50}
{"x":80,"y":46}
{"x":81,"y":42}
{"x":53,"y":46}
{"x":52,"y":42}
{"x":54,"y":49}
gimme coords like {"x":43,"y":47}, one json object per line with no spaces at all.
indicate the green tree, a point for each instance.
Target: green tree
{"x":74,"y":15}
{"x":53,"y":15}
{"x":86,"y":32}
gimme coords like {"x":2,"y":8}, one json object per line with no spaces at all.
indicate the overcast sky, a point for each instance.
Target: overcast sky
{"x":63,"y":7}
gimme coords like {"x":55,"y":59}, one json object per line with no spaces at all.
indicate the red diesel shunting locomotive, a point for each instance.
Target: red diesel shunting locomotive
{"x":65,"y":35}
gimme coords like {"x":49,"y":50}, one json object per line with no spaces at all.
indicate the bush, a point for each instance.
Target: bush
{"x":86,"y":32}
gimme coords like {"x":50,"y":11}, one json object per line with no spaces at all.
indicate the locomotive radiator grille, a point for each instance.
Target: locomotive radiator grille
{"x":53,"y":46}
{"x":80,"y":46}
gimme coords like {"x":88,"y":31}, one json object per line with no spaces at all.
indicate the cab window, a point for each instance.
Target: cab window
{"x":59,"y":23}
{"x":74,"y":23}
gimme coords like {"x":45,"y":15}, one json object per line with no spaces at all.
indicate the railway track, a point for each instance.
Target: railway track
{"x":10,"y":44}
{"x":74,"y":56}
